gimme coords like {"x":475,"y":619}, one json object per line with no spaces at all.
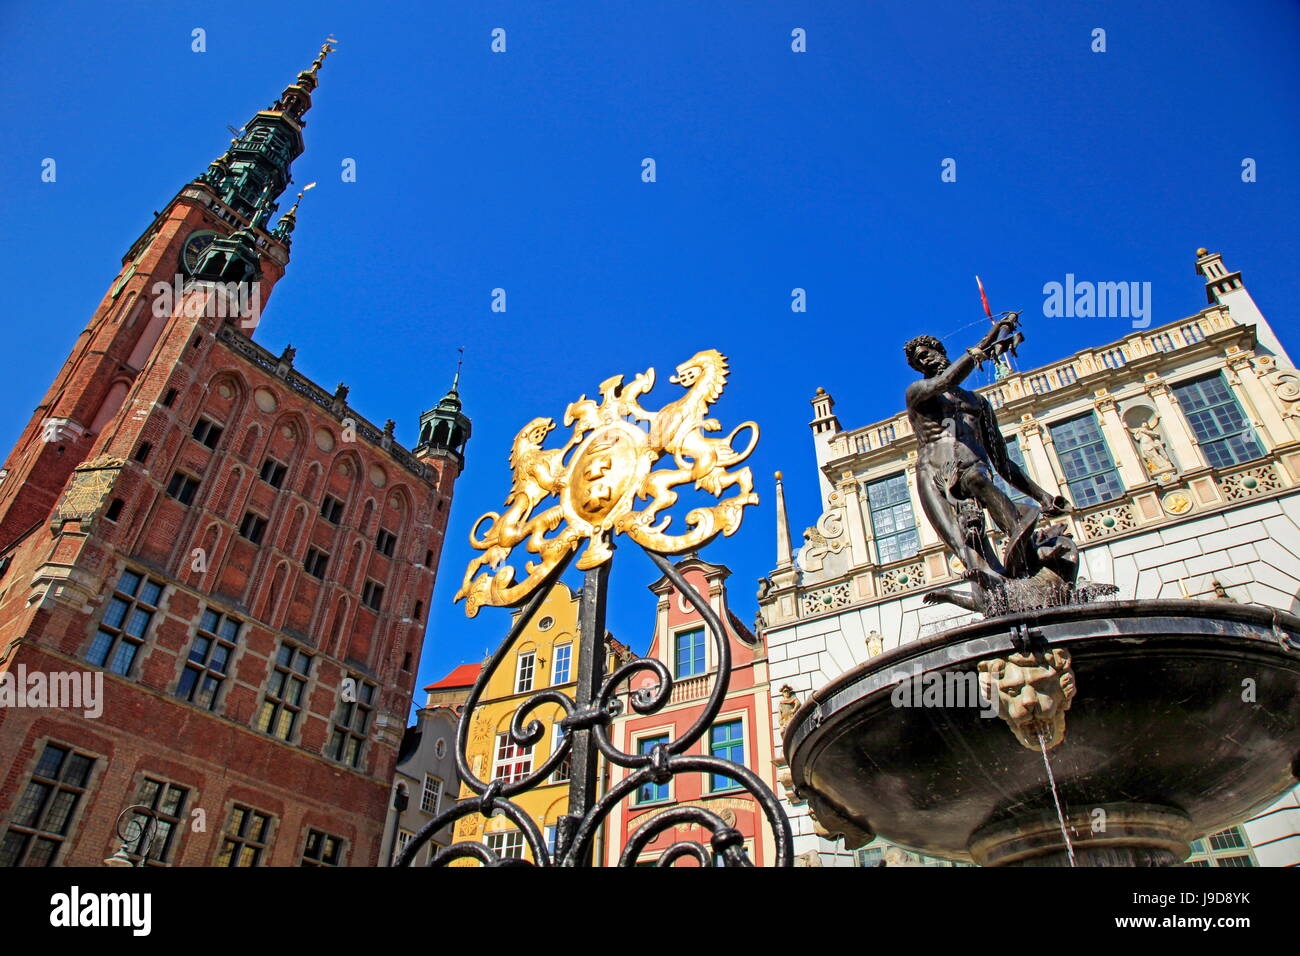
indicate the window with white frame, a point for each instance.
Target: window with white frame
{"x":507,"y":844}
{"x":429,"y":796}
{"x":403,"y":838}
{"x":565,"y":770}
{"x":512,"y":762}
{"x":563,"y":664}
{"x":524,"y":671}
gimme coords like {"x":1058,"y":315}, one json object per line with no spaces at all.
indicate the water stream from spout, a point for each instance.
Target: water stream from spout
{"x":1056,"y":798}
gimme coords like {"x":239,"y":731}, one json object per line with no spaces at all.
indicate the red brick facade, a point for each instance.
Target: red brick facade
{"x":126,"y":407}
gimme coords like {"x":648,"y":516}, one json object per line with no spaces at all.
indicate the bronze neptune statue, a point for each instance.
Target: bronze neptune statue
{"x":959,"y":450}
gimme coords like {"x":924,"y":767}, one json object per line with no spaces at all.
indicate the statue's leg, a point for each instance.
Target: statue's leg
{"x":1006,"y":514}
{"x":944,"y":521}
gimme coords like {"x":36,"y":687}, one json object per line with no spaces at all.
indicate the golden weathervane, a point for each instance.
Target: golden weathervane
{"x":610,"y":470}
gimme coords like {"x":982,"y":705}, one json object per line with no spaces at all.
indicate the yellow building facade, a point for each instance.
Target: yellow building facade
{"x":545,"y":657}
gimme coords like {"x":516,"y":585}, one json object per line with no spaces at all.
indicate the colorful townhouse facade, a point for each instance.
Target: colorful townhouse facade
{"x":545,"y":656}
{"x":741,"y":732}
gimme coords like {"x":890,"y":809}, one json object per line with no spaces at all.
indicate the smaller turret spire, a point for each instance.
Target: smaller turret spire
{"x":284,"y":228}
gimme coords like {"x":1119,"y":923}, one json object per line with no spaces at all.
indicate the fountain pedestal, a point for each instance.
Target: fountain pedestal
{"x":1183,"y":718}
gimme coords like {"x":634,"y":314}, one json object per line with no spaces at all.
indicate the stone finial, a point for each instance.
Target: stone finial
{"x":388,"y":428}
{"x":287,"y":356}
{"x":341,"y":393}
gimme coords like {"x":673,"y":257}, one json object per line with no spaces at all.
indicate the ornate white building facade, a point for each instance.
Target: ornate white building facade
{"x":1179,"y":447}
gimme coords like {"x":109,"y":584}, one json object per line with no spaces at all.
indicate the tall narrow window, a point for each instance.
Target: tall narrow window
{"x":125,"y":623}
{"x":651,"y":792}
{"x":352,"y":724}
{"x":726,"y":740}
{"x":167,"y":801}
{"x":43,"y":815}
{"x":563,"y":659}
{"x":892,"y":522}
{"x":403,"y":838}
{"x":430,"y":794}
{"x":688,"y":653}
{"x":512,"y":763}
{"x":1222,"y":429}
{"x":1085,"y":459}
{"x":282,"y":701}
{"x":524,"y":672}
{"x":209,"y":659}
{"x":246,"y":835}
{"x":565,"y":770}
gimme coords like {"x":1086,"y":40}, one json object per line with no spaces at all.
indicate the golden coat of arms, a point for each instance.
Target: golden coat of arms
{"x":615,"y":446}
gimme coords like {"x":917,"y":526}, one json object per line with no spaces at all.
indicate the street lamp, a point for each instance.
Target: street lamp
{"x":142,"y":836}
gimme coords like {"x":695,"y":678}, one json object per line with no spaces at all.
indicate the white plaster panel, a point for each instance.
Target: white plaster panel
{"x":1237,"y":534}
{"x":1209,"y":563}
{"x":1167,"y":553}
{"x":1193,"y":529}
{"x":1243,"y":554}
{"x":1148,"y":586}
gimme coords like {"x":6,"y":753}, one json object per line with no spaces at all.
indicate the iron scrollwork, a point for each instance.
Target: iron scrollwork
{"x":609,"y":469}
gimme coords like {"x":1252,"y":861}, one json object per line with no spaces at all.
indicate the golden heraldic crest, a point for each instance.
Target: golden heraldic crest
{"x":615,"y":447}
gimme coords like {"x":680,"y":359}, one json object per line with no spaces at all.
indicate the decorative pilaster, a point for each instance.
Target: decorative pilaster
{"x":1259,"y":405}
{"x":1131,"y":469}
{"x":1175,"y":425}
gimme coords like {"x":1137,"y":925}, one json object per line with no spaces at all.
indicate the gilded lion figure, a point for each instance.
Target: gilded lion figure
{"x":600,"y":473}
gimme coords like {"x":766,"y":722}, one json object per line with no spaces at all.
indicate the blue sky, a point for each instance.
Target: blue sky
{"x":775,"y":170}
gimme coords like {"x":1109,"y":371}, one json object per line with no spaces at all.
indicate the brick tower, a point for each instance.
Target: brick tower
{"x":240,"y":560}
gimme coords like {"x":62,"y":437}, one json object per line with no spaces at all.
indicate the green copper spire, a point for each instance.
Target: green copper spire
{"x":445,"y":428}
{"x":252,"y":174}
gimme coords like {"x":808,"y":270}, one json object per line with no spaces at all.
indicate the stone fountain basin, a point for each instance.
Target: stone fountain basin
{"x":1158,"y":721}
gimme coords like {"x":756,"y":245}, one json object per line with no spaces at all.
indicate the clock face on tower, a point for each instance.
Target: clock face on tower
{"x":193,"y":248}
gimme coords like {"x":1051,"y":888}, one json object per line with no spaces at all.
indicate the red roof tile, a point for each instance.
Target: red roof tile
{"x":463,"y":676}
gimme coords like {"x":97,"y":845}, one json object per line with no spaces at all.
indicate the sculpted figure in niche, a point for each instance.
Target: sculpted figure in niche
{"x":1151,"y":446}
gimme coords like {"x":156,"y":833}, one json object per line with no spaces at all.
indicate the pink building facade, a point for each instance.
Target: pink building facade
{"x":741,"y":732}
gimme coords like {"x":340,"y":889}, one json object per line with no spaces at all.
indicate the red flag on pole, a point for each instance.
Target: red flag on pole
{"x":984,"y":298}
